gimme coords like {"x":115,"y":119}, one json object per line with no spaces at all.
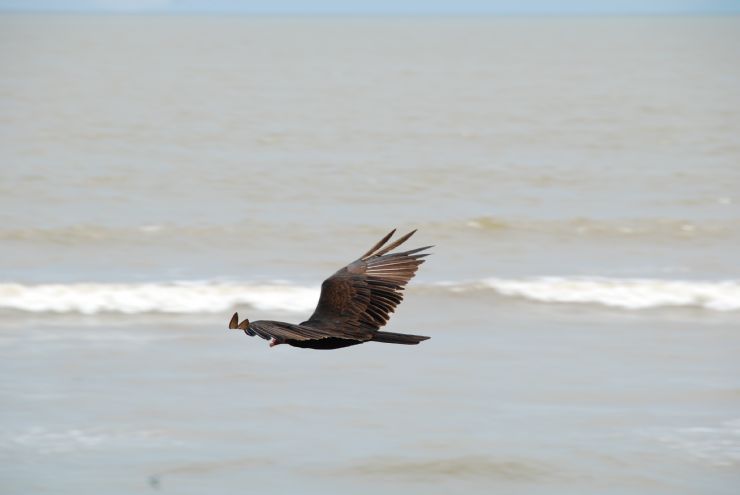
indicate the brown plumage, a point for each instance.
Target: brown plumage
{"x":354,"y":303}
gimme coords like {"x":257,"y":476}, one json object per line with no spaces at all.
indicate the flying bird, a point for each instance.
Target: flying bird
{"x":354,"y":303}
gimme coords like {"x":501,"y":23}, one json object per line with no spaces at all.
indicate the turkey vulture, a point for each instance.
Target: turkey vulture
{"x":354,"y":303}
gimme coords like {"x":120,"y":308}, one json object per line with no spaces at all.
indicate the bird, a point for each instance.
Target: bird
{"x":355,"y":302}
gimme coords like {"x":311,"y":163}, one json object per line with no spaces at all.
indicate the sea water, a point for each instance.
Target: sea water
{"x":578,"y":177}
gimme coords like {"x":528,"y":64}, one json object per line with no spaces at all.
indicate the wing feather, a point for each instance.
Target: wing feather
{"x":268,"y":329}
{"x":359,"y":299}
{"x":395,"y":244}
{"x":379,"y":244}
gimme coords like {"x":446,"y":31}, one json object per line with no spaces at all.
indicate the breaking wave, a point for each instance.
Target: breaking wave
{"x":213,"y":297}
{"x":614,"y":292}
{"x":175,"y":297}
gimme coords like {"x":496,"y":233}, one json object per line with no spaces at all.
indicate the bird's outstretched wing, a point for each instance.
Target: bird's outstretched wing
{"x":278,"y":330}
{"x":283,"y":332}
{"x":358,"y":299}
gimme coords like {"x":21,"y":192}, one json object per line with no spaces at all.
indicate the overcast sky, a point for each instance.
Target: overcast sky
{"x":384,"y":6}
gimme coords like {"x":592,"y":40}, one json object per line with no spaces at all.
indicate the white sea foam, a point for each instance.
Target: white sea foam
{"x":214,"y":297}
{"x":615,"y":292}
{"x":179,"y":297}
{"x":63,"y":441}
{"x":718,"y":445}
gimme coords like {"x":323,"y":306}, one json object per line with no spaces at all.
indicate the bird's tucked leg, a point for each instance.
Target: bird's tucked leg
{"x":276,"y":342}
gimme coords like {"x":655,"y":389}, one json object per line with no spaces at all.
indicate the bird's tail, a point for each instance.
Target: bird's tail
{"x":397,"y":338}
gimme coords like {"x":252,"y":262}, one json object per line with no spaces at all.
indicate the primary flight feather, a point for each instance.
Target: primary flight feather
{"x":354,"y":303}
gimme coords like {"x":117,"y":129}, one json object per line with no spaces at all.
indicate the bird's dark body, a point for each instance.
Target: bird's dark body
{"x":327,"y":343}
{"x":354,"y":303}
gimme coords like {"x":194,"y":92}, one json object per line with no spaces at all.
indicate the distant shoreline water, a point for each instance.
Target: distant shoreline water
{"x":259,"y":150}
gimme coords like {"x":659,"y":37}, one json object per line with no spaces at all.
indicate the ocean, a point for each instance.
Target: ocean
{"x":578,"y":177}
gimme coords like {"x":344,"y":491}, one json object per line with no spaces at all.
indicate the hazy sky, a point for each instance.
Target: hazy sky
{"x":383,"y":6}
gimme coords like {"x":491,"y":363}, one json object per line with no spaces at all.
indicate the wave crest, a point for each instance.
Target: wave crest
{"x":614,"y":292}
{"x":215,"y":297}
{"x":177,"y":297}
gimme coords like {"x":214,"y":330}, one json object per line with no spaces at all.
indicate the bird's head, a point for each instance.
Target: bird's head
{"x":235,"y":325}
